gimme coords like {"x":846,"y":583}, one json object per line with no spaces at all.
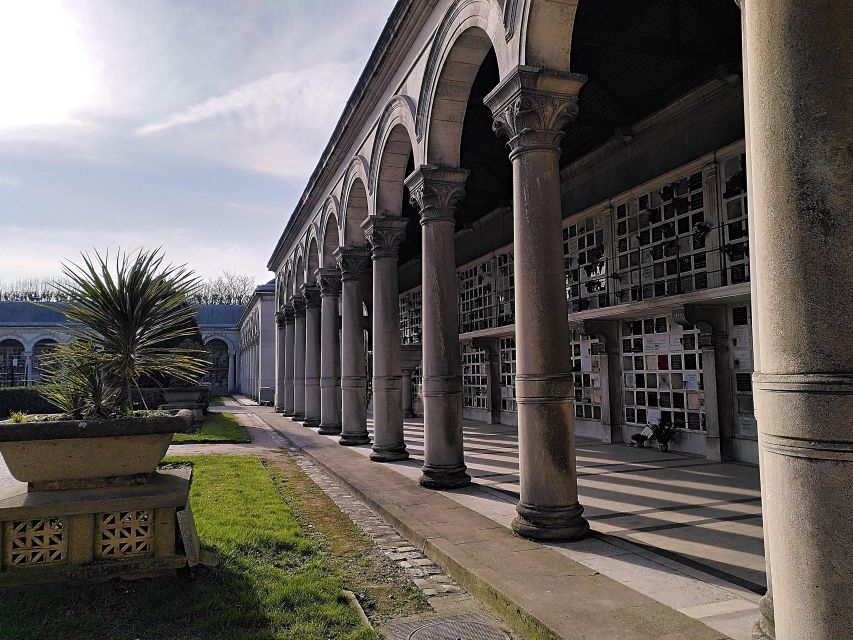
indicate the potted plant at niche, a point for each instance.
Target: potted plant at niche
{"x":124,"y":312}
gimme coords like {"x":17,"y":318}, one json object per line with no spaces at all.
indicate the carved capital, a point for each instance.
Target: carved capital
{"x":280,"y":319}
{"x":298,"y":304}
{"x":385,"y":235}
{"x":311,"y":295}
{"x":531,"y":107}
{"x":436,"y":191}
{"x":329,"y":280}
{"x":352,"y":261}
{"x":287,"y":313}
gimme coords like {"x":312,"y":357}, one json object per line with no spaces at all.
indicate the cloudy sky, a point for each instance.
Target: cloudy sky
{"x":187,"y":124}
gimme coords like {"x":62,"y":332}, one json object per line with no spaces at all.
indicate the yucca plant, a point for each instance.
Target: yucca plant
{"x":131,"y":311}
{"x":76,"y":381}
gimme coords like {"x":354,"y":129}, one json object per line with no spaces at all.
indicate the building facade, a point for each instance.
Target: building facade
{"x":257,"y":346}
{"x":593,"y":217}
{"x":28,"y":329}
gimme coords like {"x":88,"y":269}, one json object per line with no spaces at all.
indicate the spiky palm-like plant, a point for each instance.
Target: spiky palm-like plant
{"x":76,"y":382}
{"x":129,"y":310}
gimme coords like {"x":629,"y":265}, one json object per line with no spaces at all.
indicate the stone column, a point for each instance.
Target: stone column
{"x":532,"y":108}
{"x":232,"y":371}
{"x":28,"y":369}
{"x":385,"y":236}
{"x":436,"y":191}
{"x":353,"y":262}
{"x":279,"y":360}
{"x":298,"y":303}
{"x":799,"y":58}
{"x":288,"y":359}
{"x":491,"y":346}
{"x":311,"y":293}
{"x":408,"y":393}
{"x":329,"y":280}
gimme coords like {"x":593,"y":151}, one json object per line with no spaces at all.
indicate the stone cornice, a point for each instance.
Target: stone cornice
{"x":531,"y":107}
{"x":436,"y":191}
{"x":385,"y":235}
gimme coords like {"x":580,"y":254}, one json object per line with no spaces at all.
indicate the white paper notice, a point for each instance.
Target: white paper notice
{"x":661,"y":343}
{"x":676,"y":343}
{"x":741,"y":336}
{"x":649,"y":344}
{"x":691,"y":380}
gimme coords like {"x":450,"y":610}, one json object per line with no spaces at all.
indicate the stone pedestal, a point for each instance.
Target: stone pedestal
{"x":436,"y":191}
{"x":311,"y":293}
{"x":288,"y":360}
{"x":279,"y":360}
{"x":799,"y":58}
{"x":330,"y":352}
{"x":353,"y":262}
{"x":385,"y":236}
{"x":92,"y":534}
{"x":531,"y":108}
{"x":298,"y":303}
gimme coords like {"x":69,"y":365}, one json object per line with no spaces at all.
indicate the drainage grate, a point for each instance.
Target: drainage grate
{"x":457,"y":630}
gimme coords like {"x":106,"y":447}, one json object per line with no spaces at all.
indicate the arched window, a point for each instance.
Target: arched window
{"x":217,"y":376}
{"x":39,"y":350}
{"x":13,"y":366}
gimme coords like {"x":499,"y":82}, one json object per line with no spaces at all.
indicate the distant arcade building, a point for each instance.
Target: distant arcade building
{"x":594,"y":217}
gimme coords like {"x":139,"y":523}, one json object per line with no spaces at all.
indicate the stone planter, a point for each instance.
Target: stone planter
{"x":186,"y":395}
{"x":94,"y":507}
{"x":81,"y":450}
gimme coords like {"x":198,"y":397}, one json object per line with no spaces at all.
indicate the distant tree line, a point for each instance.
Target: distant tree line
{"x":227,"y":288}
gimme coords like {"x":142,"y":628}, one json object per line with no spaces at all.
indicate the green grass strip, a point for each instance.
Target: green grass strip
{"x":273,"y":581}
{"x":216,"y":428}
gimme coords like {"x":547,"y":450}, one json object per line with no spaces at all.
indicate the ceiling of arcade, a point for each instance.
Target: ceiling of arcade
{"x":639,"y":57}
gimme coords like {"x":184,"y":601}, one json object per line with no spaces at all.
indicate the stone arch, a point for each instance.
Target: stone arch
{"x":288,"y":281}
{"x":469,"y":30}
{"x":331,"y":240}
{"x":298,"y":271}
{"x":312,"y":261}
{"x":391,"y":172}
{"x":355,"y":205}
{"x":39,"y":348}
{"x":396,"y":126}
{"x":13,"y":366}
{"x":546,"y":33}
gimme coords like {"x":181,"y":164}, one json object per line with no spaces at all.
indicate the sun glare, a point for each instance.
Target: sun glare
{"x":45,"y":71}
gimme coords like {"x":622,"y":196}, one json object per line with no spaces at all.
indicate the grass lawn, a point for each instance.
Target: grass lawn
{"x":217,"y":427}
{"x":276,"y":579}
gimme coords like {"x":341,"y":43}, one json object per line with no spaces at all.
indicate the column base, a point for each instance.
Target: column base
{"x":297,"y":417}
{"x":434,"y":477}
{"x":764,"y":628}
{"x":287,"y":413}
{"x":389,"y":454}
{"x":311,"y":422}
{"x":549,"y":523}
{"x":353,"y":439}
{"x":330,"y":429}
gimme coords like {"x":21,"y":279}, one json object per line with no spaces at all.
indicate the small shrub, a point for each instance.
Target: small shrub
{"x":19,"y":416}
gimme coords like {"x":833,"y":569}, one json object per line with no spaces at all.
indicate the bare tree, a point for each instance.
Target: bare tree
{"x":32,"y":289}
{"x":227,"y":288}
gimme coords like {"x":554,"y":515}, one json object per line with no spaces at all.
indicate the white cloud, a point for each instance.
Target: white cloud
{"x":278,"y":124}
{"x":10,"y":181}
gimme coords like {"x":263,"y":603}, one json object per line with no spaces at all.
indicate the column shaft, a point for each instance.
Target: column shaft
{"x":288,"y":360}
{"x":436,"y":191}
{"x":799,"y":58}
{"x":279,"y":361}
{"x":385,"y":236}
{"x":352,"y":263}
{"x":299,"y":358}
{"x":533,"y":118}
{"x":329,"y":280}
{"x":311,"y":292}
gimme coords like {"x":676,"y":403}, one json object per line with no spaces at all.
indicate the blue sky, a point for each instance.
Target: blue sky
{"x":188,"y":125}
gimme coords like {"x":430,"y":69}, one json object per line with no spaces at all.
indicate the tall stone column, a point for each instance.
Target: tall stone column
{"x":279,"y":360}
{"x":436,"y":191}
{"x":799,"y":58}
{"x":531,"y":108}
{"x":288,"y":359}
{"x":408,"y":393}
{"x":232,"y":372}
{"x":385,"y":236}
{"x":311,"y":293}
{"x":298,"y":303}
{"x":353,"y":262}
{"x":329,"y":280}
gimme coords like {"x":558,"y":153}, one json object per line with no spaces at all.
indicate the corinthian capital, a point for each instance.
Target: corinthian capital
{"x":329,"y":280}
{"x":352,"y":261}
{"x":531,"y":107}
{"x":287,"y":313}
{"x":385,"y":235}
{"x":436,"y":191}
{"x":298,"y":304}
{"x":311,"y":295}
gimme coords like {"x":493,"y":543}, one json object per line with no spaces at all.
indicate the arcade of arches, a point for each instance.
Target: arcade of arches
{"x":501,"y":163}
